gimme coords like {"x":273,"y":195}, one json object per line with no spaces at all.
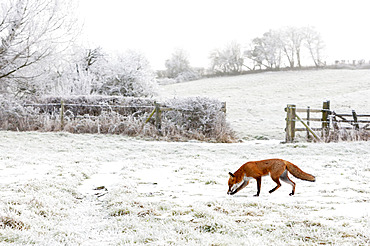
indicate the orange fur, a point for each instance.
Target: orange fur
{"x":277,"y":168}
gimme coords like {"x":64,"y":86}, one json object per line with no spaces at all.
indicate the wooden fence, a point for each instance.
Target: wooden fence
{"x":66,"y":109}
{"x":325,"y":121}
{"x":63,"y":108}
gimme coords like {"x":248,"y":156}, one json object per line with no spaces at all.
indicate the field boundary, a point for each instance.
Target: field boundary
{"x":181,"y":119}
{"x":64,"y":108}
{"x":331,"y":124}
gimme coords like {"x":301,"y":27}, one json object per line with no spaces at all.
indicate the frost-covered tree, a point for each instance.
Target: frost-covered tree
{"x":31,"y":31}
{"x":92,"y":71}
{"x":228,"y":60}
{"x":177,"y":64}
{"x":129,"y":74}
{"x":81,"y":72}
{"x":266,"y":51}
{"x":292,"y":38}
{"x":178,"y":67}
{"x":314,"y":44}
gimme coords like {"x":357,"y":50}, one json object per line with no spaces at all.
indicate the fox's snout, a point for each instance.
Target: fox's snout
{"x":232,"y":190}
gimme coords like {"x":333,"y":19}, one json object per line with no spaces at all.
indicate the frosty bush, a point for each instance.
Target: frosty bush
{"x":15,"y":117}
{"x":339,"y":135}
{"x":182,"y":119}
{"x":187,"y":76}
{"x":199,"y":118}
{"x":130,"y":75}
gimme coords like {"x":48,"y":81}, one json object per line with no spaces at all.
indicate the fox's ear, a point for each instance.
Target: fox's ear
{"x":232,"y":175}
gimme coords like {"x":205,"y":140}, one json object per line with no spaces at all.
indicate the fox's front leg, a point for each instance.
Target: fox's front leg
{"x":258,"y":186}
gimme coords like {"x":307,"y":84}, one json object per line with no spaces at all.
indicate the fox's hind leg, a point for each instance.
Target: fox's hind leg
{"x":276,"y":179}
{"x":284,"y":177}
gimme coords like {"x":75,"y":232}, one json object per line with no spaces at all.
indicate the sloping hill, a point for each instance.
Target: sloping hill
{"x":256,"y":102}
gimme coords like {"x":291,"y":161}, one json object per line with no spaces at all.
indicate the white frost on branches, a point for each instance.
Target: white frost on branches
{"x":31,"y":34}
{"x":91,"y":71}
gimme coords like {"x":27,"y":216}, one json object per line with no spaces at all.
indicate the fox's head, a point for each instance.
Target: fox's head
{"x":236,"y":183}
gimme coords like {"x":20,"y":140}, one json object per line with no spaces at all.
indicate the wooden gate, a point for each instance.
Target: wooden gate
{"x":326,"y":122}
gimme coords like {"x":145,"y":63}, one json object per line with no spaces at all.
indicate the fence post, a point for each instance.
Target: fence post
{"x":355,"y":120}
{"x":223,"y":107}
{"x":290,"y":123}
{"x":325,"y":118}
{"x":308,"y":123}
{"x":61,"y":115}
{"x":158,"y":117}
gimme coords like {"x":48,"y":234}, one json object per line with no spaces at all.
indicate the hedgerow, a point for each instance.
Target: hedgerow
{"x":196,"y":118}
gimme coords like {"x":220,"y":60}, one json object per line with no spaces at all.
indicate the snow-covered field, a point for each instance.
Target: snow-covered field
{"x":65,"y":189}
{"x":165,"y":193}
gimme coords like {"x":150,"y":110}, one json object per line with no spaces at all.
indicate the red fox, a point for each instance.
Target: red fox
{"x":277,"y":168}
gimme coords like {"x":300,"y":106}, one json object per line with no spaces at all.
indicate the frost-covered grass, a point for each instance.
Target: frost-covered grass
{"x":66,"y":189}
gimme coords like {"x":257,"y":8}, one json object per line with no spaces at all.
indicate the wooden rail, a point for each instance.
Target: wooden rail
{"x":330,"y":120}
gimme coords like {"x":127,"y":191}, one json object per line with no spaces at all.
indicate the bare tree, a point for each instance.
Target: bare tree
{"x":288,"y":47}
{"x":292,"y":38}
{"x":314,"y":44}
{"x":30,"y":32}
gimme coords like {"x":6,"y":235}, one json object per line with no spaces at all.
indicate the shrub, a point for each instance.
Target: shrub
{"x":199,"y":118}
{"x":187,"y":76}
{"x":14,"y":116}
{"x":130,"y":76}
{"x":339,"y":135}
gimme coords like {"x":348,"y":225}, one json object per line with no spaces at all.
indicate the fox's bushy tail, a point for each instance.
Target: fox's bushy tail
{"x":298,"y":173}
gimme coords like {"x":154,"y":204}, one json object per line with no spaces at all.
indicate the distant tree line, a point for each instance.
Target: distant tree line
{"x":274,"y":50}
{"x":285,"y":46}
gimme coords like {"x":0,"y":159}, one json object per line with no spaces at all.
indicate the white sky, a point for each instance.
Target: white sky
{"x":157,"y":27}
